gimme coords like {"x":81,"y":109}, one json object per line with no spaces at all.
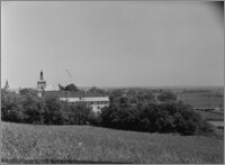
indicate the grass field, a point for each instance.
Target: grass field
{"x":85,"y":144}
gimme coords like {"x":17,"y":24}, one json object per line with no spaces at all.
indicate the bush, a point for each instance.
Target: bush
{"x":11,"y":107}
{"x":53,"y":111}
{"x":26,"y":91}
{"x":152,"y":117}
{"x":120,"y":116}
{"x":79,"y":114}
{"x":33,"y":108}
{"x":94,"y":118}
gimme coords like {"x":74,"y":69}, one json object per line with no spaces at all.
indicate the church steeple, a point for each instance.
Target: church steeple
{"x":41,"y":75}
{"x":41,"y":84}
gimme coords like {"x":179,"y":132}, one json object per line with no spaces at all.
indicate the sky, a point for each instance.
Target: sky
{"x":106,"y":43}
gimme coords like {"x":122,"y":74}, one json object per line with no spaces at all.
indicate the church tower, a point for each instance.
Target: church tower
{"x":41,"y":84}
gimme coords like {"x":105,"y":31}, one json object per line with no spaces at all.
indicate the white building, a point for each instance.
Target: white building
{"x":94,"y":100}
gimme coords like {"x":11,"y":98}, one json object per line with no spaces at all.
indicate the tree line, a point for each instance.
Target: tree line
{"x":136,"y":110}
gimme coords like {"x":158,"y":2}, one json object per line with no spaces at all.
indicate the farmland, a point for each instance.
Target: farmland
{"x":211,"y":116}
{"x":208,"y":98}
{"x":23,"y":143}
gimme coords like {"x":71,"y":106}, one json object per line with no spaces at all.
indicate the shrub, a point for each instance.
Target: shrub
{"x":53,"y":111}
{"x":120,"y":116}
{"x":33,"y":108}
{"x":26,"y":91}
{"x":94,"y":118}
{"x":108,"y":115}
{"x":11,"y":107}
{"x":152,"y":117}
{"x":79,"y":114}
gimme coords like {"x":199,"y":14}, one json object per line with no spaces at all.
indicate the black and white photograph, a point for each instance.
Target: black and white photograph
{"x":112,"y":82}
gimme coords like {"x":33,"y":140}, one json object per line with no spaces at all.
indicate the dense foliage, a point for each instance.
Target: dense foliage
{"x":28,"y":108}
{"x":135,"y":110}
{"x":97,"y":91}
{"x":167,"y":96}
{"x":151,"y":117}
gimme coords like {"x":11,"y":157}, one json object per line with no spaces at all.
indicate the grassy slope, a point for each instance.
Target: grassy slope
{"x":85,"y":144}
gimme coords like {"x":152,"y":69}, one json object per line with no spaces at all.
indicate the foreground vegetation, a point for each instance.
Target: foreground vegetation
{"x":23,"y":143}
{"x":55,"y":137}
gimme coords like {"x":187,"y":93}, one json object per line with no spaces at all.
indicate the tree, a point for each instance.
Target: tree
{"x":26,"y":91}
{"x":97,"y":90}
{"x":94,"y":118}
{"x":79,"y":114}
{"x":11,"y":107}
{"x":115,"y":95}
{"x":71,"y":87}
{"x":53,"y":111}
{"x":61,"y":88}
{"x":33,"y":107}
{"x":167,"y":96}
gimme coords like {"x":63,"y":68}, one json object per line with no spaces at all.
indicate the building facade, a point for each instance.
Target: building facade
{"x":41,"y":85}
{"x":94,"y":100}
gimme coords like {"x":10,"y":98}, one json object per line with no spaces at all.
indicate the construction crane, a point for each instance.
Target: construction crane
{"x":68,"y":73}
{"x":61,"y":61}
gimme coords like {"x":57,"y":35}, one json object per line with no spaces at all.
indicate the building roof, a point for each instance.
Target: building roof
{"x":85,"y":99}
{"x":69,"y":94}
{"x":51,"y":87}
{"x":89,"y":99}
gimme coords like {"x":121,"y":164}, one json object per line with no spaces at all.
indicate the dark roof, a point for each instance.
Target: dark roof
{"x":71,"y":94}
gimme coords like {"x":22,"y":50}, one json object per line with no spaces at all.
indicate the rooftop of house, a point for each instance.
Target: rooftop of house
{"x":73,"y":94}
{"x":51,"y":87}
{"x":85,"y":99}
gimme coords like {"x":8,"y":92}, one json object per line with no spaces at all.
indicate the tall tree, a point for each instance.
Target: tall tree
{"x":71,"y":87}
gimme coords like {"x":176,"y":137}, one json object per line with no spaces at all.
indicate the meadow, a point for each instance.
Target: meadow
{"x":23,"y":143}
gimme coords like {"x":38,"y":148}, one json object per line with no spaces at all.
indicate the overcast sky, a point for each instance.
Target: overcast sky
{"x":106,"y":43}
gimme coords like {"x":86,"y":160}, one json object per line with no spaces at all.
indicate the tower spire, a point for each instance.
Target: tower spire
{"x":41,"y":75}
{"x":41,"y":85}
